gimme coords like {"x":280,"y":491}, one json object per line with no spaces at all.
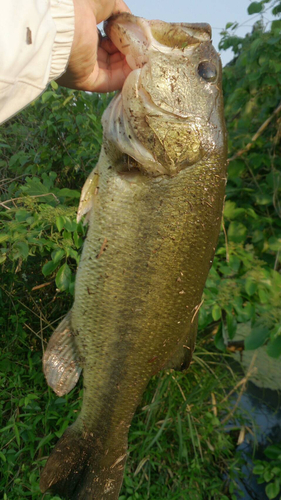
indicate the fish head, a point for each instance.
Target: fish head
{"x":169,"y":115}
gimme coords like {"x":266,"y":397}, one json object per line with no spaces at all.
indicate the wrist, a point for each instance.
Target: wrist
{"x":63,"y":16}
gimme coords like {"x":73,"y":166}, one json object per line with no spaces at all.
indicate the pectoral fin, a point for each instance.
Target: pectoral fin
{"x":87,"y":194}
{"x":60,"y":360}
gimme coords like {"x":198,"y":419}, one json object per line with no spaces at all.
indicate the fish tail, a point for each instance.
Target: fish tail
{"x":80,"y":468}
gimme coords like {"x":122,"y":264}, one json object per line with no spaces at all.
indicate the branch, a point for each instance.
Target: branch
{"x":28,"y":196}
{"x":257,"y":134}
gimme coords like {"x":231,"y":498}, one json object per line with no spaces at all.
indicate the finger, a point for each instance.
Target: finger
{"x":107,"y":59}
{"x":109,"y":78}
{"x":104,"y":10}
{"x":120,"y":6}
{"x":107,"y":45}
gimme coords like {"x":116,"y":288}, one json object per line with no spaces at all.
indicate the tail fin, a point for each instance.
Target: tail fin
{"x":79,"y":468}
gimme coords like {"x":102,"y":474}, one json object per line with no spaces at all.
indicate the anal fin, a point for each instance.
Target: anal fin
{"x":60,"y":360}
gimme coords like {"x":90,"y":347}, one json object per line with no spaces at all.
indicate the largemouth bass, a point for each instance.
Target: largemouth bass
{"x":154,"y":204}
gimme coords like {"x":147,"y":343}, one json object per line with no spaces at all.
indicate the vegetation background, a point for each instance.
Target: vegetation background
{"x":180,"y":445}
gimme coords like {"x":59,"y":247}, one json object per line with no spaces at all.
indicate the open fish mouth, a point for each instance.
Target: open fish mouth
{"x":135,"y":37}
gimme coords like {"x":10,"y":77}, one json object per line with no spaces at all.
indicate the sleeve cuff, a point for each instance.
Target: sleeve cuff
{"x":63,"y":15}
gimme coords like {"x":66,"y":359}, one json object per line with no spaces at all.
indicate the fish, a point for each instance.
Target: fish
{"x":154,"y":205}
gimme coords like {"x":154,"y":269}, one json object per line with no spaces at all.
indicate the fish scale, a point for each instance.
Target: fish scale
{"x":153,"y":229}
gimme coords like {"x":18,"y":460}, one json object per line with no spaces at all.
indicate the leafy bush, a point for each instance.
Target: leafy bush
{"x":270,"y":471}
{"x":245,"y":283}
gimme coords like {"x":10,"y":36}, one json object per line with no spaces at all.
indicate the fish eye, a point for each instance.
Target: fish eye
{"x":208,"y":71}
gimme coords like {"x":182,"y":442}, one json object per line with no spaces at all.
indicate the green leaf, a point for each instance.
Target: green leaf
{"x":4,"y":237}
{"x":250,"y":287}
{"x":255,"y":8}
{"x":47,"y":95}
{"x":60,"y":222}
{"x":236,"y":169}
{"x":245,"y":312}
{"x":234,"y":263}
{"x":272,"y":489}
{"x":258,"y":469}
{"x":22,"y":215}
{"x":264,"y":198}
{"x":80,"y":119}
{"x":231,"y":211}
{"x":34,"y":187}
{"x":17,"y":434}
{"x":54,"y":85}
{"x":22,"y":249}
{"x":49,"y":267}
{"x":63,"y":277}
{"x":268,"y":475}
{"x":231,"y":325}
{"x":274,"y":244}
{"x":274,"y":348}
{"x":77,"y":240}
{"x":219,"y":342}
{"x":257,"y":338}
{"x":276,"y":25}
{"x":69,"y":193}
{"x":44,"y":440}
{"x":57,"y":255}
{"x":237,"y":232}
{"x":216,"y":312}
{"x":70,"y":225}
{"x":73,"y":254}
{"x":273,"y":451}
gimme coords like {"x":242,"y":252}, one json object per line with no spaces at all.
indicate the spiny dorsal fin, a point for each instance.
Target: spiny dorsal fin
{"x":60,"y":360}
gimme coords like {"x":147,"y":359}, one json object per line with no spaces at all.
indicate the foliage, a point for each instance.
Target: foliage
{"x":270,"y":471}
{"x":46,"y":153}
{"x":245,"y":283}
{"x":177,"y":443}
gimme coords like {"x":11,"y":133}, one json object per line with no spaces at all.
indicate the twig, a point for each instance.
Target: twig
{"x":50,"y":324}
{"x":8,"y":180}
{"x":214,"y":404}
{"x":196,"y":310}
{"x":181,"y":391}
{"x":257,"y":134}
{"x":226,"y":242}
{"x":243,"y":383}
{"x":37,"y":287}
{"x":39,"y":337}
{"x":29,"y":196}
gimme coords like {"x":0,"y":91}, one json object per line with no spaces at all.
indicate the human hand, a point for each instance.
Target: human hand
{"x":95,"y":64}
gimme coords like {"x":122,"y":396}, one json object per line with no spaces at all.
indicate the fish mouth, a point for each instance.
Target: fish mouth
{"x":135,"y":37}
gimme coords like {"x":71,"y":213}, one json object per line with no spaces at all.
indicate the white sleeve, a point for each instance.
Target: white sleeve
{"x":35,"y":44}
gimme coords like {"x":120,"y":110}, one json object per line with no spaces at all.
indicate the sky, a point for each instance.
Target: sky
{"x":215,"y":12}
